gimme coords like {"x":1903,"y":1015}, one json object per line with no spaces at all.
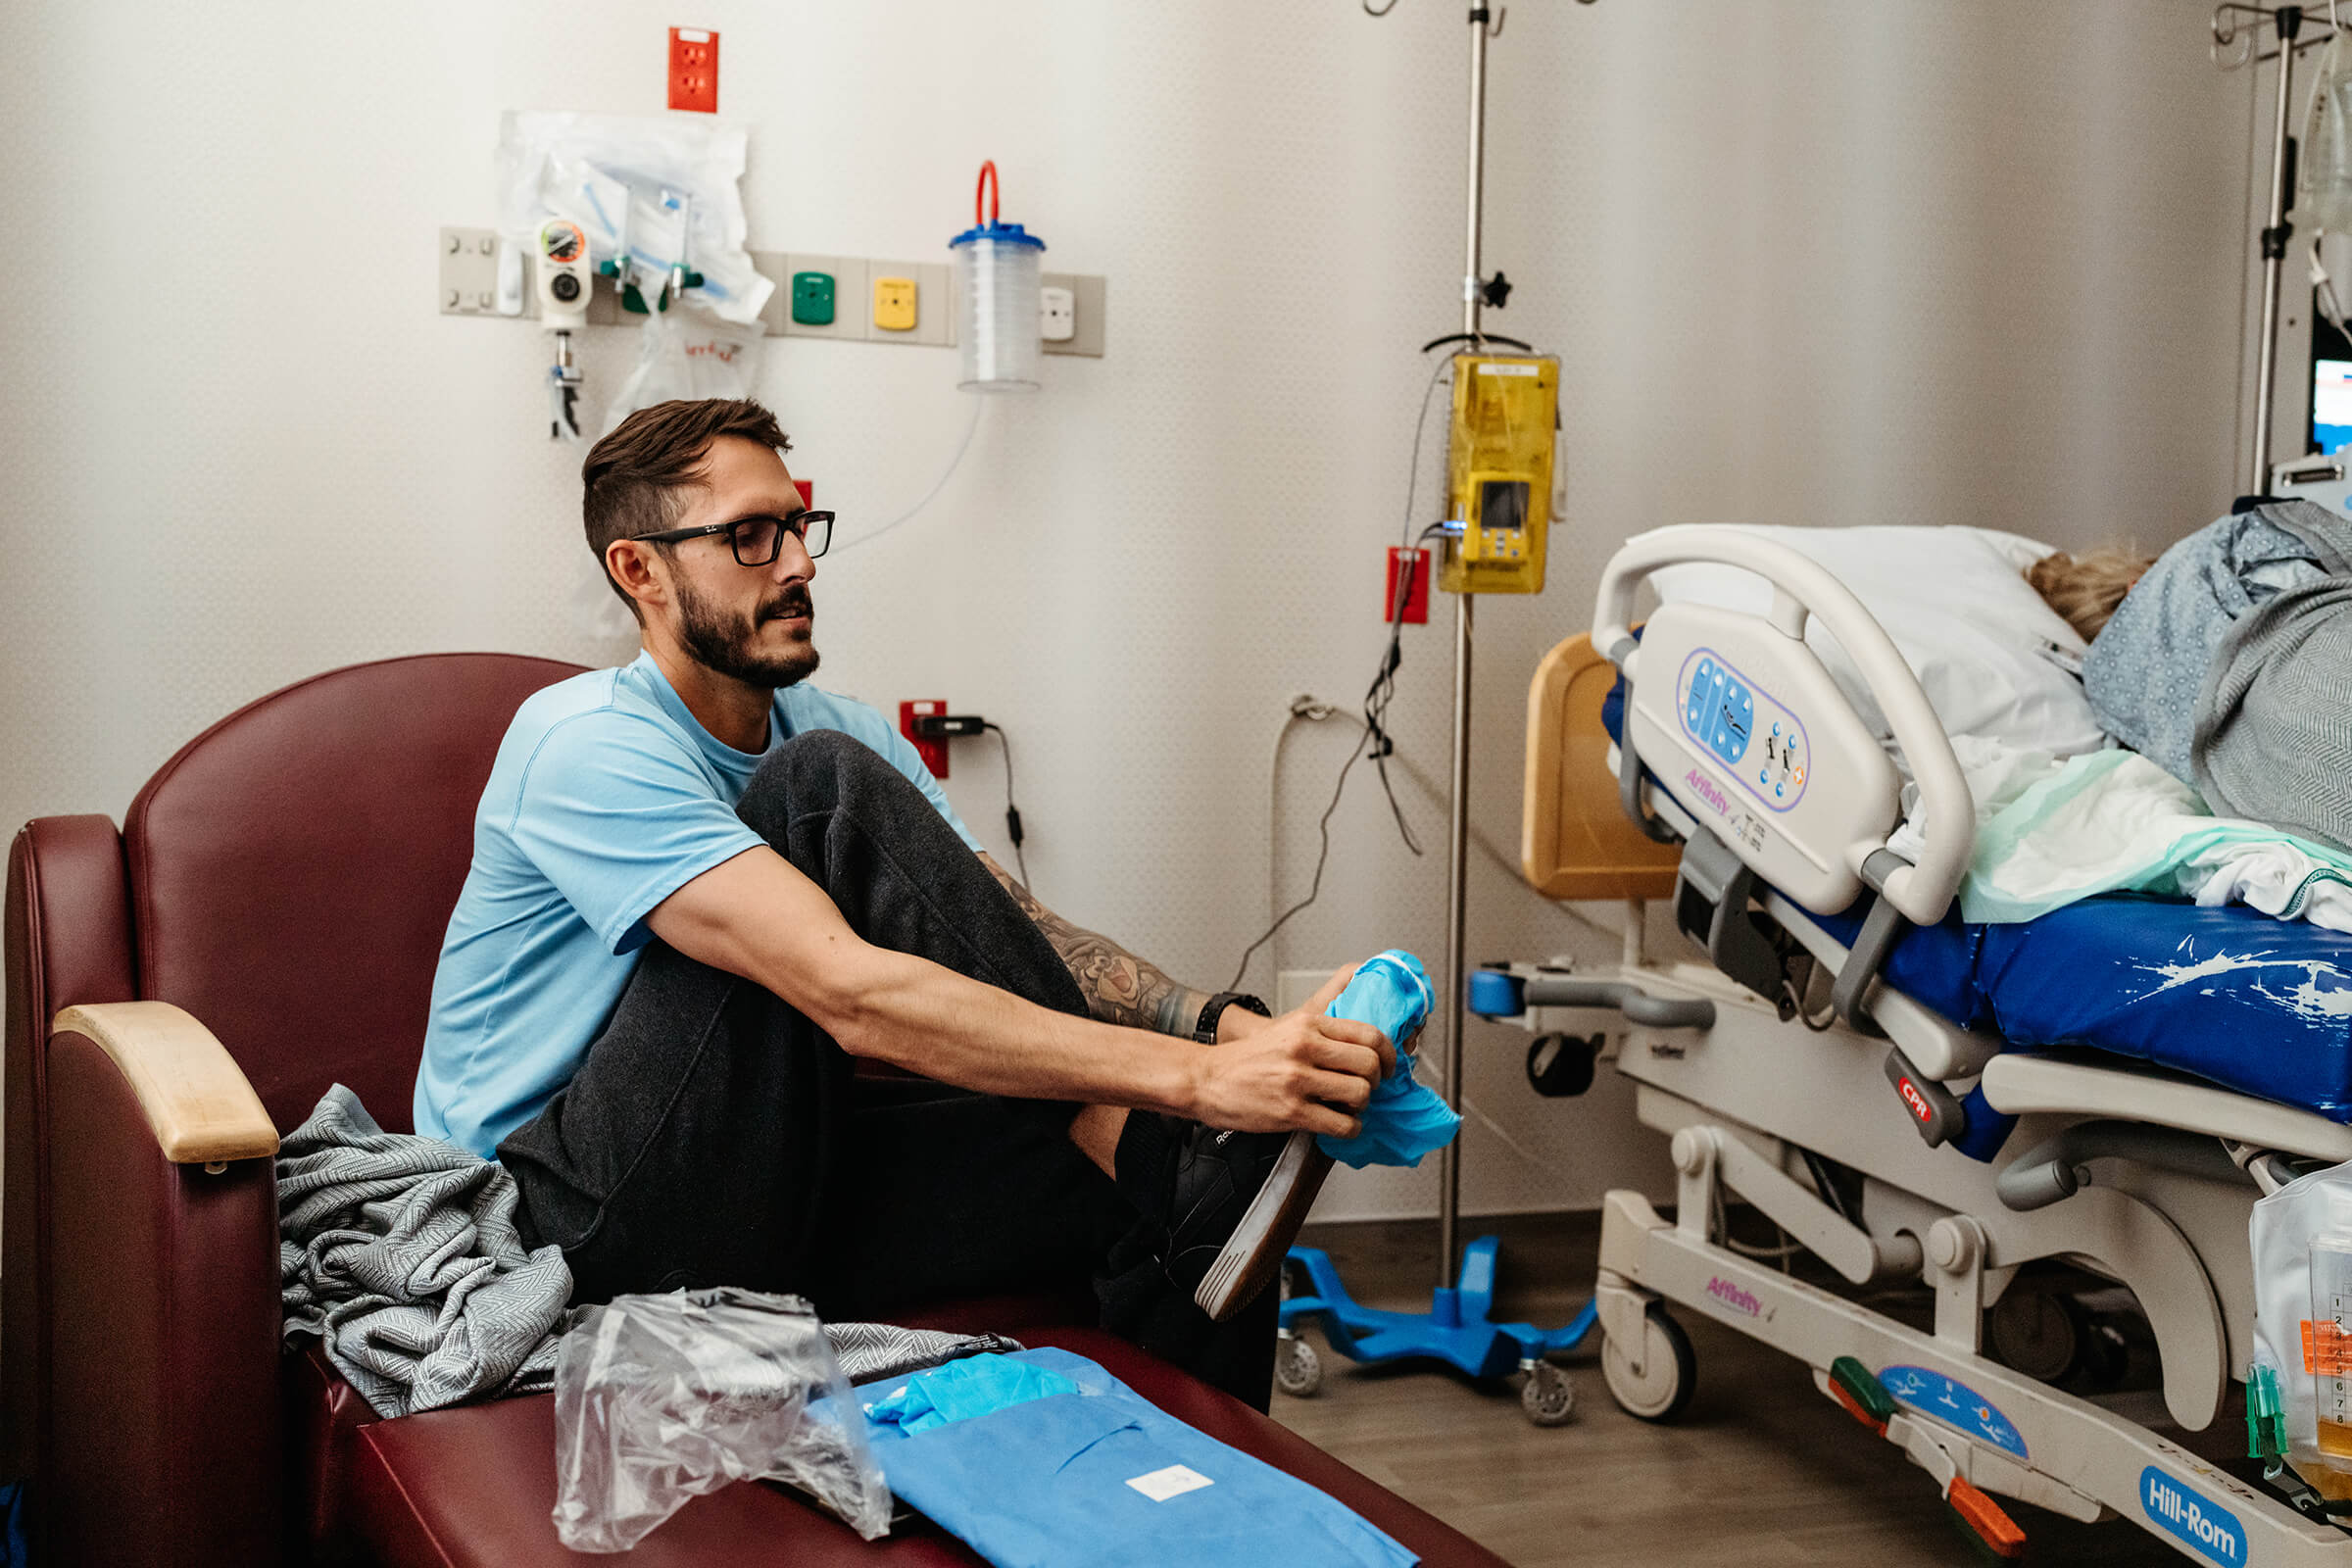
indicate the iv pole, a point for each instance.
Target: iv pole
{"x":2288,"y":21}
{"x":1458,"y":841}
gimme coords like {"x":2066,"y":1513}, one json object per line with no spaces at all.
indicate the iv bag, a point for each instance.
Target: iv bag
{"x":2323,"y":187}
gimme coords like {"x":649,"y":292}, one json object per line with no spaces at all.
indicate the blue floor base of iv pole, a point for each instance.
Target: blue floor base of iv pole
{"x":1456,"y":1329}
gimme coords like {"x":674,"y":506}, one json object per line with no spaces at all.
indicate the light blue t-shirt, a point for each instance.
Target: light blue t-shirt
{"x":606,"y":798}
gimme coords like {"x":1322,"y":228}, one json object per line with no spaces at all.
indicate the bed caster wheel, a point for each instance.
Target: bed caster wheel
{"x":2106,"y":1355}
{"x":1547,"y":1396}
{"x":1298,"y":1369}
{"x":1654,"y":1380}
{"x":2044,"y":1335}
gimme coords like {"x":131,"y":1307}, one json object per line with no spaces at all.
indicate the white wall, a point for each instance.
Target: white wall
{"x":1808,"y":261}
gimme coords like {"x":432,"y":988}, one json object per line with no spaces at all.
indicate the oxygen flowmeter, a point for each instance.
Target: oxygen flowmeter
{"x":564,"y":282}
{"x":1498,"y":473}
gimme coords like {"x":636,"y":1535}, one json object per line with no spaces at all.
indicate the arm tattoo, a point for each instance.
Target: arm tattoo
{"x":1119,"y":987}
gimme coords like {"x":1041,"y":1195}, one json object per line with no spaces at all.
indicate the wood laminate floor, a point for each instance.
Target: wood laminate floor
{"x":1760,"y":1472}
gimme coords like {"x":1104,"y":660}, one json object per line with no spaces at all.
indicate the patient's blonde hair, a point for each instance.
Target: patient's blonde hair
{"x":2084,"y":590}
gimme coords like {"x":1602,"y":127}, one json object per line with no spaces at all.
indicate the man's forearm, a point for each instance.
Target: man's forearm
{"x":1119,"y":987}
{"x":757,"y":916}
{"x":915,"y":1014}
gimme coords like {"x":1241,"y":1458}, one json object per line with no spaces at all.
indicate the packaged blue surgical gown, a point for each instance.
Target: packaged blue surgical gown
{"x":1102,"y":1476}
{"x":1403,"y":1120}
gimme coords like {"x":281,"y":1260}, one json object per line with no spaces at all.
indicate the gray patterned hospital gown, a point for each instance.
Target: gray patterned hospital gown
{"x":2145,"y":672}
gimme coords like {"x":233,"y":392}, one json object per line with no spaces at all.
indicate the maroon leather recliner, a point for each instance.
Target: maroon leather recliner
{"x":267,"y":923}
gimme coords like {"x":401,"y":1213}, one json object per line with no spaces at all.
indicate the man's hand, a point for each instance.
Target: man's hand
{"x":1303,"y":1070}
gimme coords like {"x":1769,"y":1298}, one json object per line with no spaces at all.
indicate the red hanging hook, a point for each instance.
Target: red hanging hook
{"x":989,"y":191}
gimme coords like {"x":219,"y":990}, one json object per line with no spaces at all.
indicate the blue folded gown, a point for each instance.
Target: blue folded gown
{"x":1104,"y":1478}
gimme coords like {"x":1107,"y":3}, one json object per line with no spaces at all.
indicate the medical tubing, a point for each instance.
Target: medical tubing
{"x":1802,"y":589}
{"x":929,"y":495}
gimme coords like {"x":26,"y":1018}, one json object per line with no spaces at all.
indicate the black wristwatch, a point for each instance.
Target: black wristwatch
{"x":1205,"y":1031}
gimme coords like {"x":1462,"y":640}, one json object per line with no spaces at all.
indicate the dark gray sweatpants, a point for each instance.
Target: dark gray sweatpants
{"x":713,"y":1134}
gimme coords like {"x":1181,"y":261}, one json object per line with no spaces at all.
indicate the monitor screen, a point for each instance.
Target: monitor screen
{"x":2331,"y":387}
{"x":2331,"y":404}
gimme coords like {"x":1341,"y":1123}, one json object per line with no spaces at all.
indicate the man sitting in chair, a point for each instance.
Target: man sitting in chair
{"x":702,"y":887}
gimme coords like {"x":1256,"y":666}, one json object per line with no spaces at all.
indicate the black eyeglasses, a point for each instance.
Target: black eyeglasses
{"x":755,"y":540}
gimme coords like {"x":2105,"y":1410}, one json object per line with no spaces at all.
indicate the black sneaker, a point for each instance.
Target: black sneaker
{"x":1237,"y":1202}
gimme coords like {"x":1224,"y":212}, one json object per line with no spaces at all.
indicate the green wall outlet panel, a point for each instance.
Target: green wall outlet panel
{"x":812,"y":298}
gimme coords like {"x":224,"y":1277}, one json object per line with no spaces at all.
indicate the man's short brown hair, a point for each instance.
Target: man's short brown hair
{"x":631,"y":483}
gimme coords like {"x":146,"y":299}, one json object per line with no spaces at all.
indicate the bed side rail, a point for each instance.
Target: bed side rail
{"x":1801,"y":590}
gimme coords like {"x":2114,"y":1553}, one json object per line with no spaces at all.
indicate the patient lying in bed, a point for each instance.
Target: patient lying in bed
{"x":2228,"y":661}
{"x":1998,"y":628}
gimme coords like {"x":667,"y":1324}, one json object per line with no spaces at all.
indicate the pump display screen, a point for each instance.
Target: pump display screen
{"x":1503,"y":504}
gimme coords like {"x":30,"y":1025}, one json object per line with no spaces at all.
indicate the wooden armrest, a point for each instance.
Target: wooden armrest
{"x":197,"y":1101}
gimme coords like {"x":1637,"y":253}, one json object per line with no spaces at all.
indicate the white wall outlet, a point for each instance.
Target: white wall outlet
{"x":1086,"y":291}
{"x":1056,"y":313}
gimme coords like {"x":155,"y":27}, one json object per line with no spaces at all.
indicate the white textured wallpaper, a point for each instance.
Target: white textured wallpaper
{"x":1804,"y":261}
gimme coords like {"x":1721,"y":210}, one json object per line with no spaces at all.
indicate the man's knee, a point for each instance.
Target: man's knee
{"x":812,"y":771}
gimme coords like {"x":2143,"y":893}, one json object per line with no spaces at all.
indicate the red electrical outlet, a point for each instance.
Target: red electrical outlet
{"x":694,"y":70}
{"x":1416,"y":593}
{"x":934,"y":753}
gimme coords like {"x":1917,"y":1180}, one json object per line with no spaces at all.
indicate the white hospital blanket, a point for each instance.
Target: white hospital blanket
{"x":2051,"y":832}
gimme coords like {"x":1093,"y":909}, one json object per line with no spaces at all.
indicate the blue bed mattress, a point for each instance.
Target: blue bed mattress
{"x":2260,"y":1006}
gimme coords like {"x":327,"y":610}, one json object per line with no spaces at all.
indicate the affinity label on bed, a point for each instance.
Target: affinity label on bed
{"x":2322,"y":996}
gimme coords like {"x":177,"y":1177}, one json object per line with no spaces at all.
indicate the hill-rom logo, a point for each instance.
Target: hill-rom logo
{"x":2200,"y":1521}
{"x":1732,"y":1296}
{"x":1704,"y":788}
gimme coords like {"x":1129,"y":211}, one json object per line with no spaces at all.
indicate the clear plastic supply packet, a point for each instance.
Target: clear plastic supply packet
{"x":660,"y":1399}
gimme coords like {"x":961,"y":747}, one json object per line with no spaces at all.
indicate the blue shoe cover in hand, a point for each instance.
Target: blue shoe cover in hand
{"x":978,"y":1384}
{"x":1405,"y":1119}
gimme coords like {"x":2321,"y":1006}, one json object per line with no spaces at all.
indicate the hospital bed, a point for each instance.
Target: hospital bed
{"x":2107,"y":1088}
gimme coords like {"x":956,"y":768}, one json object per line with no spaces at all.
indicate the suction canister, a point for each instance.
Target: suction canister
{"x":997,"y":268}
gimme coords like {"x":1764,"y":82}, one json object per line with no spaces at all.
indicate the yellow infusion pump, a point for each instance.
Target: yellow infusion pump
{"x":1499,"y":474}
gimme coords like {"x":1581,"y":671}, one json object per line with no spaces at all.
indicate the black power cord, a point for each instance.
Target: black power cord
{"x":1376,"y":742}
{"x":1013,"y":812}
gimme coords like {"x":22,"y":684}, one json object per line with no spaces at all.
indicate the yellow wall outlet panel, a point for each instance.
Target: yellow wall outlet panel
{"x":894,"y":304}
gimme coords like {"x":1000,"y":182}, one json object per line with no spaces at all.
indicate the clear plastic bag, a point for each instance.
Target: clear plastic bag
{"x":660,"y":1399}
{"x":2325,"y":170}
{"x":2301,"y":1238}
{"x":684,"y":353}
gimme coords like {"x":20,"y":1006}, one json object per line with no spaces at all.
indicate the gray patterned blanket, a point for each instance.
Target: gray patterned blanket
{"x":400,"y":1253}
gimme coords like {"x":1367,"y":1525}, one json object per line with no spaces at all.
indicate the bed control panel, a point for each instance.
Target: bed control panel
{"x":1743,"y":724}
{"x":1760,"y":739}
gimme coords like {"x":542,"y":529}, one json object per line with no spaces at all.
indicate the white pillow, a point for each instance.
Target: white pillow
{"x":1956,"y":604}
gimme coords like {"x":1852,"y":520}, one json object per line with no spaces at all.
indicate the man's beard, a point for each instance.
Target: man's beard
{"x":725,"y":644}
